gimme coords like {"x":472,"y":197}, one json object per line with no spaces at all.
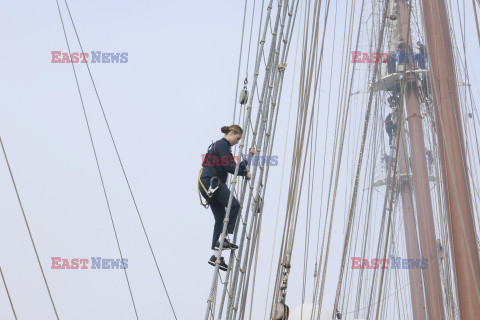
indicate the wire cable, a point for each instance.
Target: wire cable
{"x":96,"y":160}
{"x":8,"y":294}
{"x":29,"y":233}
{"x":122,"y":166}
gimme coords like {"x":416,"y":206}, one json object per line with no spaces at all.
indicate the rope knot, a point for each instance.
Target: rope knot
{"x":282,"y":66}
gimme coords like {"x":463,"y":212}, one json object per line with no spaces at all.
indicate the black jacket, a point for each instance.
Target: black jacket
{"x":219,"y":161}
{"x":388,"y":121}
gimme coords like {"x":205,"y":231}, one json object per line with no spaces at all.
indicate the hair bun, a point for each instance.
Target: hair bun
{"x":224,"y":129}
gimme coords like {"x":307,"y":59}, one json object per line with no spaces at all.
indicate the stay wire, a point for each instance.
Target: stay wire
{"x":340,"y":130}
{"x":359,"y":163}
{"x":296,"y":176}
{"x":8,"y":294}
{"x":239,"y":61}
{"x":250,"y":38}
{"x":96,"y":159}
{"x":29,"y":233}
{"x":121,"y":165}
{"x":318,"y":83}
{"x":283,"y":167}
{"x":274,"y":83}
{"x":213,"y":287}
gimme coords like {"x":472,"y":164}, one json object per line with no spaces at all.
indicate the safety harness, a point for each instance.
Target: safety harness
{"x":211,"y":192}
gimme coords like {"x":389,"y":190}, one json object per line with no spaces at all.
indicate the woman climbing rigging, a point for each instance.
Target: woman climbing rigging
{"x":216,"y":164}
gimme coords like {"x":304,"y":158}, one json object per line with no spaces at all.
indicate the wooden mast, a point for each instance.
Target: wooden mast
{"x":428,"y":244}
{"x":452,"y":156}
{"x":411,"y":239}
{"x":405,"y":189}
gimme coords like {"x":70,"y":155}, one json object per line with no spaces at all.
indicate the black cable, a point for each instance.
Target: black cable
{"x":121,"y":163}
{"x":8,"y":294}
{"x":29,"y":232}
{"x":96,"y":159}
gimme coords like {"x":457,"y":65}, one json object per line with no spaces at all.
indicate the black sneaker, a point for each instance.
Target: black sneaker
{"x":227,"y":245}
{"x":222,"y":266}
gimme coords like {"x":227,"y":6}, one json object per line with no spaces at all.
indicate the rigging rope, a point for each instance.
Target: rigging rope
{"x":273,"y":83}
{"x":364,"y":136}
{"x":296,"y":178}
{"x":270,"y":95}
{"x":234,"y":180}
{"x":342,"y":116}
{"x":29,"y":233}
{"x":8,"y":294}
{"x":283,"y":170}
{"x":96,"y":160}
{"x":240,"y":59}
{"x":117,"y":154}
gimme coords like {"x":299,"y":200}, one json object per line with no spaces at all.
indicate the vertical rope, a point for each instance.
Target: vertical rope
{"x":263,"y":112}
{"x":359,"y":165}
{"x":234,"y":180}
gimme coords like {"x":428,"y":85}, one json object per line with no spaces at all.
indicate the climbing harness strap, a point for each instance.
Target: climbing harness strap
{"x":211,"y":192}
{"x":205,"y":205}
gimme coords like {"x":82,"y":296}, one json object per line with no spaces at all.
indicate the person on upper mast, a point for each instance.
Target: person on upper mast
{"x":422,"y":55}
{"x":216,"y":165}
{"x":391,"y":64}
{"x":391,"y":127}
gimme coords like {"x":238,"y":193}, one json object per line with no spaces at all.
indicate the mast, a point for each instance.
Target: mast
{"x":428,"y":244}
{"x":405,"y":189}
{"x":411,"y":239}
{"x":452,"y":156}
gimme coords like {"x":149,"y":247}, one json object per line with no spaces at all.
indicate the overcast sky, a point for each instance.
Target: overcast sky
{"x":165,"y":105}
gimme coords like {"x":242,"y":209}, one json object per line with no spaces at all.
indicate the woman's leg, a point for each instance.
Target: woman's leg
{"x":218,"y":213}
{"x":222,"y":198}
{"x":218,"y":206}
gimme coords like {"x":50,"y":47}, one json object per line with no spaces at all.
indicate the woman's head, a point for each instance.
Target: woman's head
{"x":233,"y":133}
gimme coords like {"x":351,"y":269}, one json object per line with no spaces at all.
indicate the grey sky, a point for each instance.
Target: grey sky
{"x":164,"y":106}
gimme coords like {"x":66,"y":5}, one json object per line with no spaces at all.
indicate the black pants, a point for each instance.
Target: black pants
{"x":218,"y":205}
{"x":391,"y":131}
{"x":391,"y":66}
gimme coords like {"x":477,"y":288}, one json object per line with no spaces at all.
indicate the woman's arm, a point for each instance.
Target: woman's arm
{"x":227,"y":161}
